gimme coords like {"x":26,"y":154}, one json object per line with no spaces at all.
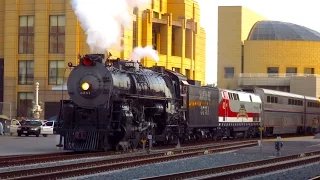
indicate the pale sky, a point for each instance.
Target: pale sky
{"x":305,"y":13}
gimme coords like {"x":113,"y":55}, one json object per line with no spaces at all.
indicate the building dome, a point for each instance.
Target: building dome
{"x":276,"y":30}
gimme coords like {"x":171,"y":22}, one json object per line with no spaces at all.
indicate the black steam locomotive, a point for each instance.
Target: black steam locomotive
{"x":119,"y":103}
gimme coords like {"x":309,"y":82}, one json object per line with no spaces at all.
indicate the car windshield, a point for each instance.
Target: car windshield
{"x":49,"y":123}
{"x":54,"y":118}
{"x":33,"y":123}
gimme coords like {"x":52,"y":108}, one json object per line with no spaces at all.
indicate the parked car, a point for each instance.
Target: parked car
{"x":30,"y":127}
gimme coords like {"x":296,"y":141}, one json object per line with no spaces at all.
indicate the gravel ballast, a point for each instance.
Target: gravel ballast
{"x":189,"y":164}
{"x":298,"y":173}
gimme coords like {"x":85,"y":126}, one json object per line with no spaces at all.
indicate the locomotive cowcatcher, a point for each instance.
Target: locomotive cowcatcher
{"x":117,"y":103}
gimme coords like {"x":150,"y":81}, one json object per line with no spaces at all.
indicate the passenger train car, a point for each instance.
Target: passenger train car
{"x":287,"y":113}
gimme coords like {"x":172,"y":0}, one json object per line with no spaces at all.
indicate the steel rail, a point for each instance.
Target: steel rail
{"x":54,"y":157}
{"x":248,"y":168}
{"x":79,"y":169}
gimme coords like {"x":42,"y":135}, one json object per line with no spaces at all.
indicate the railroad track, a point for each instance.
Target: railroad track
{"x":42,"y":158}
{"x":243,"y":170}
{"x":79,"y":169}
{"x":18,"y":160}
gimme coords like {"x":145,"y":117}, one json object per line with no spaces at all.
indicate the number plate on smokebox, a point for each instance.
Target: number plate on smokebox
{"x":25,"y":131}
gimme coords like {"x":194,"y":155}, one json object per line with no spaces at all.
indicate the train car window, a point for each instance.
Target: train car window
{"x":268,"y":99}
{"x":276,"y":99}
{"x":229,"y":95}
{"x":250,"y":98}
{"x":289,"y":101}
{"x":272,"y":99}
{"x":237,"y":95}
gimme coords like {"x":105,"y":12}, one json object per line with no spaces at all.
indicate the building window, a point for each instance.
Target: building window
{"x":154,"y":40}
{"x":173,"y":43}
{"x":134,"y":34}
{"x":308,"y":70}
{"x":228,"y":72}
{"x":57,"y":34}
{"x":26,"y":72}
{"x":291,"y":71}
{"x":187,"y":73}
{"x":178,"y":70}
{"x":24,"y":104}
{"x":56,"y":72}
{"x":272,"y":71}
{"x":26,"y":34}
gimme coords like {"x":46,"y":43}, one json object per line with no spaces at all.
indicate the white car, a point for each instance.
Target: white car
{"x":14,"y":126}
{"x":47,"y":128}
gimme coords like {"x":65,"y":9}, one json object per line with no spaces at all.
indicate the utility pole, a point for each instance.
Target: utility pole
{"x":261,"y":127}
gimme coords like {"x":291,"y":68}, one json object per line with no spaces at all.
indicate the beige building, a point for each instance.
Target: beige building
{"x":253,"y":51}
{"x":38,"y":39}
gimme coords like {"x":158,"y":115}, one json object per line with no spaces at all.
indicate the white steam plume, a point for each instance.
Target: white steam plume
{"x":140,"y":52}
{"x":102,"y":20}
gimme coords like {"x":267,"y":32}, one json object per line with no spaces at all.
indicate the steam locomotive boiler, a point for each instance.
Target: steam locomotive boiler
{"x":119,"y":103}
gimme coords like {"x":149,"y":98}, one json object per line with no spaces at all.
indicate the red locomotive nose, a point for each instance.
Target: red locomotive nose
{"x":87,"y":61}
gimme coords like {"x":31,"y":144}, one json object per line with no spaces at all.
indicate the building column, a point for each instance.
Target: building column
{"x":194,"y":49}
{"x":41,"y":39}
{"x":146,"y":38}
{"x":72,"y":34}
{"x":166,"y":38}
{"x":190,"y":46}
{"x":11,"y":19}
{"x":182,"y":43}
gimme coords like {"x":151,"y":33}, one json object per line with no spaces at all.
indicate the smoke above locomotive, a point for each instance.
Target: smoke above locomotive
{"x":102,"y":22}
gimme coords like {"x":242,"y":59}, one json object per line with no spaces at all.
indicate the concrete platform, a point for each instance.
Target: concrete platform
{"x":290,"y":146}
{"x":14,"y":145}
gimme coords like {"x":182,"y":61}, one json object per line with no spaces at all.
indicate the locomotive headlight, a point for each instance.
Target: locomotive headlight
{"x":85,"y":86}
